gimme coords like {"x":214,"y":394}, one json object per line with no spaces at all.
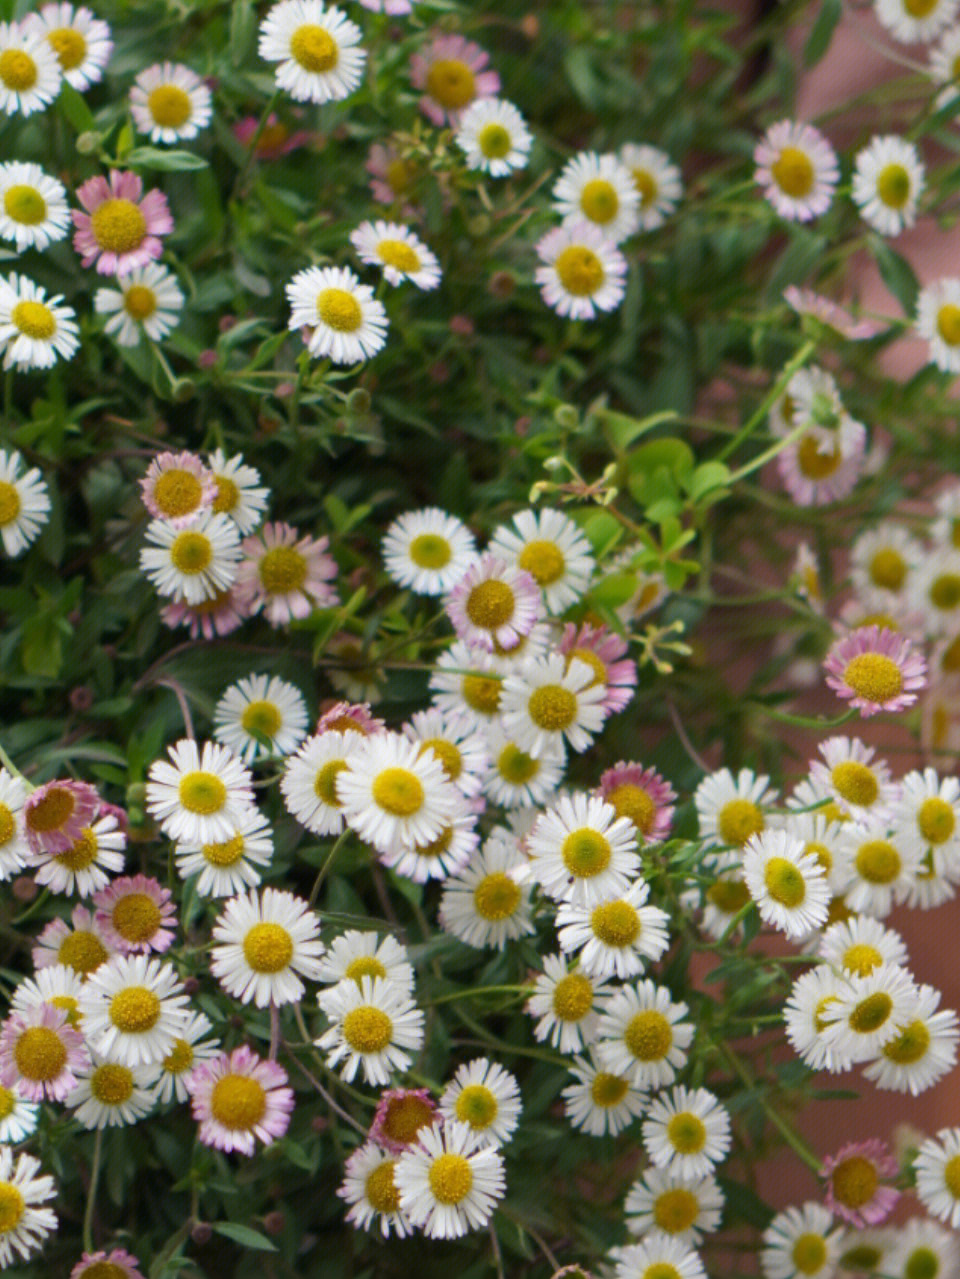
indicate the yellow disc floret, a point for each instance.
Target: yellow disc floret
{"x":874,"y":677}
{"x":793,"y":172}
{"x":170,"y":106}
{"x":451,"y":1178}
{"x":118,"y":225}
{"x":398,"y":792}
{"x":314,"y":48}
{"x":339,"y":310}
{"x":34,"y":320}
{"x":238,"y":1102}
{"x":648,"y":1035}
{"x":579,"y":270}
{"x":202,"y":792}
{"x":267,"y":948}
{"x":367,"y":1029}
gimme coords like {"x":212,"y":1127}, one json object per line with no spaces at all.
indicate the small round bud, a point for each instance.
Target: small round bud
{"x":24,"y":888}
{"x":207,"y":359}
{"x":502,"y":284}
{"x":81,"y":698}
{"x":274,"y":1222}
{"x":462,"y":326}
{"x":358,"y":401}
{"x":566,"y":415}
{"x":201,"y":1232}
{"x":479,"y":224}
{"x":88,"y":141}
{"x":136,"y":795}
{"x":190,"y":985}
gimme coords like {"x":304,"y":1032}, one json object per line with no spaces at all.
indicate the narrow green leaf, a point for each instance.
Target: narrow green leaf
{"x":244,"y":1235}
{"x":822,"y":31}
{"x":897,"y":274}
{"x":164,"y":161}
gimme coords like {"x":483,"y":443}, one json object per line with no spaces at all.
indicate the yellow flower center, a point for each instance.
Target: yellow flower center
{"x":398,"y":791}
{"x":687,"y":1133}
{"x":314,"y":48}
{"x":18,"y":71}
{"x":936,"y":820}
{"x":51,"y":811}
{"x":176,"y":492}
{"x":814,"y":464}
{"x":103,"y":1270}
{"x":451,"y":1178}
{"x":784,"y":882}
{"x":922,"y":1263}
{"x":69,"y":45}
{"x":325,"y":782}
{"x":861,"y":959}
{"x":888,"y":568}
{"x":728,"y":895}
{"x":616,"y":924}
{"x":871,"y":1013}
{"x":585,"y":853}
{"x":490,"y":604}
{"x":590,"y":659}
{"x":118,"y":225}
{"x":380,"y":1189}
{"x":11,"y":1204}
{"x":238,"y":1102}
{"x":945,"y":591}
{"x":572,"y":997}
{"x":920,"y":8}
{"x":34,"y":319}
{"x":82,"y":951}
{"x":496,"y":897}
{"x":7,"y":1102}
{"x":430,"y":550}
{"x":516,"y":766}
{"x":136,"y":917}
{"x":367,"y":1029}
{"x":494,"y":141}
{"x":862,"y":1257}
{"x":950,"y":661}
{"x":140,"y":302}
{"x":481,"y":693}
{"x":648,"y":1035}
{"x":267,"y":948}
{"x":202,"y":792}
{"x":793,"y":172}
{"x":855,"y":783}
{"x":646,"y":184}
{"x":179,"y":1058}
{"x":69,"y":1005}
{"x":9,"y":503}
{"x":552,"y":707}
{"x":363,"y":966}
{"x":808,"y":1254}
{"x":579,"y":270}
{"x":878,"y":862}
{"x":873,"y":676}
{"x":262,"y":718}
{"x":40,"y":1054}
{"x":339,"y":310}
{"x":822,"y":853}
{"x":607,"y":1090}
{"x":894,"y":186}
{"x":282,"y":570}
{"x":24,"y":204}
{"x":81,"y":854}
{"x":135,"y":1009}
{"x":112,"y":1085}
{"x":399,"y":255}
{"x":477,"y":1106}
{"x":951,"y":1176}
{"x":170,"y":106}
{"x":543,"y":560}
{"x":854,"y":1181}
{"x":599,"y":201}
{"x":676,"y":1210}
{"x":738,"y":820}
{"x":451,"y":83}
{"x":399,"y":175}
{"x":909,"y":1045}
{"x":447,"y":753}
{"x":228,"y":495}
{"x":405,"y":1116}
{"x":225,"y":854}
{"x":191,"y":553}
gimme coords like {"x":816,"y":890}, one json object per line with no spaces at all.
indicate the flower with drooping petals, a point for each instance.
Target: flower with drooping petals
{"x":824,"y":309}
{"x":400,"y":1114}
{"x":177,"y":487}
{"x":494,"y":603}
{"x":582,"y":271}
{"x":238,"y":1099}
{"x":35,"y":330}
{"x":875,"y":669}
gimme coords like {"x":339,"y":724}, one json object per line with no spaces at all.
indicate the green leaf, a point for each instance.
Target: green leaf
{"x":614,"y":590}
{"x":245,"y":1235}
{"x":74,"y":110}
{"x":822,"y":31}
{"x":164,"y":161}
{"x":744,"y":1205}
{"x":707,"y":477}
{"x":897,"y":274}
{"x":41,"y":650}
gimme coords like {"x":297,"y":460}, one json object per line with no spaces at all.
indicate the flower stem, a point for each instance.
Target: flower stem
{"x":92,"y":1192}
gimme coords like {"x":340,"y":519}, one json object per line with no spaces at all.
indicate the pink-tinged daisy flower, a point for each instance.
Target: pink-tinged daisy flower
{"x":582,"y":271}
{"x":80,"y":41}
{"x":391,"y":176}
{"x":176,"y":487}
{"x":798,"y":170}
{"x":285,"y":575}
{"x":80,"y":945}
{"x":399,"y":1117}
{"x":875,"y":669}
{"x":121,"y":227}
{"x":854,"y":1190}
{"x":219,"y":615}
{"x":350,"y":717}
{"x":240,"y":1098}
{"x":56,"y":814}
{"x":641,"y":795}
{"x":807,"y":302}
{"x":369,"y":1188}
{"x":494,"y":604}
{"x":606,"y":652}
{"x":824,"y":465}
{"x":275,"y":139}
{"x":170,"y":103}
{"x":115,"y":1264}
{"x":451,"y":74}
{"x":136,"y":914}
{"x":397,"y":8}
{"x":39,"y":1052}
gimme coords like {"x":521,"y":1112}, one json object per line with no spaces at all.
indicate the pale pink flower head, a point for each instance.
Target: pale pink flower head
{"x":176,"y":487}
{"x":350,"y":717}
{"x":391,"y":177}
{"x":450,"y":73}
{"x":396,"y":8}
{"x":606,"y":653}
{"x":641,"y":795}
{"x":81,"y":944}
{"x":854,"y":1190}
{"x":875,"y":669}
{"x":121,"y":227}
{"x":285,"y":575}
{"x":824,"y":465}
{"x":219,"y":615}
{"x":39,"y":1052}
{"x":239,"y":1098}
{"x":56,"y":814}
{"x":136,"y":914}
{"x":798,"y":170}
{"x":824,"y":309}
{"x":400,"y":1115}
{"x":494,"y":605}
{"x":114,"y":1264}
{"x":275,"y":138}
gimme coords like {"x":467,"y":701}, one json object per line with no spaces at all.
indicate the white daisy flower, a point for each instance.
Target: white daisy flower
{"x":723,"y":898}
{"x":641,"y":1035}
{"x":26,"y":1223}
{"x":170,"y":103}
{"x":923,"y":1050}
{"x":198,"y":797}
{"x":133,"y":1009}
{"x":800,"y":1242}
{"x":33,"y":206}
{"x":488,"y":902}
{"x":568,"y":1004}
{"x":937,"y":1169}
{"x":888,"y":180}
{"x":459,"y":746}
{"x":857,"y":946}
{"x":83,"y":867}
{"x":922,"y":1248}
{"x":369,"y":1187}
{"x":263,"y":945}
{"x":658,"y":1255}
{"x":428,"y":550}
{"x":260,"y":708}
{"x":515,"y":779}
{"x":853,"y":777}
{"x":945,"y":529}
{"x":944,"y":68}
{"x":14,"y":849}
{"x":548,"y":702}
{"x":874,"y":867}
{"x":820,"y":837}
{"x":936,"y":593}
{"x":30,"y":74}
{"x":601,"y":1101}
{"x":686,"y":1131}
{"x":813,"y":1004}
{"x":787,"y":883}
{"x":657,"y":180}
{"x":373,"y":1025}
{"x":914,"y":23}
{"x":357,"y":954}
{"x":229,"y":866}
{"x":239,"y":491}
{"x":938,"y":321}
{"x":930,"y":808}
{"x":392,"y":795}
{"x":80,"y":41}
{"x":18,"y":1117}
{"x":35,"y":331}
{"x":449,"y":1183}
{"x":110,"y":1094}
{"x":345,"y":322}
{"x":581,"y":852}
{"x":195,"y":564}
{"x":615,"y":936}
{"x":485,"y":1097}
{"x":398,"y":251}
{"x":189,"y":1049}
{"x":494,"y":137}
{"x":310,"y":778}
{"x":57,"y":984}
{"x":552,"y":548}
{"x":147,"y":301}
{"x":730,"y":809}
{"x":684,"y":1208}
{"x":317,"y":48}
{"x":445,"y":854}
{"x":599,"y":190}
{"x":798,"y":170}
{"x":24,"y":503}
{"x":582,"y":271}
{"x":466,"y":681}
{"x":870,"y":1012}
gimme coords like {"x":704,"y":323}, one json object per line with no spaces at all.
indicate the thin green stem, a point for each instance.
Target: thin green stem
{"x":754,"y":421}
{"x":92,"y":1192}
{"x":324,"y":870}
{"x":792,"y":1138}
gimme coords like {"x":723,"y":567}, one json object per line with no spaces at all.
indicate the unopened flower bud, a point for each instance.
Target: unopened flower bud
{"x":88,"y":141}
{"x":81,"y":698}
{"x":201,"y":1232}
{"x":24,"y":889}
{"x":566,"y":415}
{"x":274,"y":1222}
{"x":358,"y":401}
